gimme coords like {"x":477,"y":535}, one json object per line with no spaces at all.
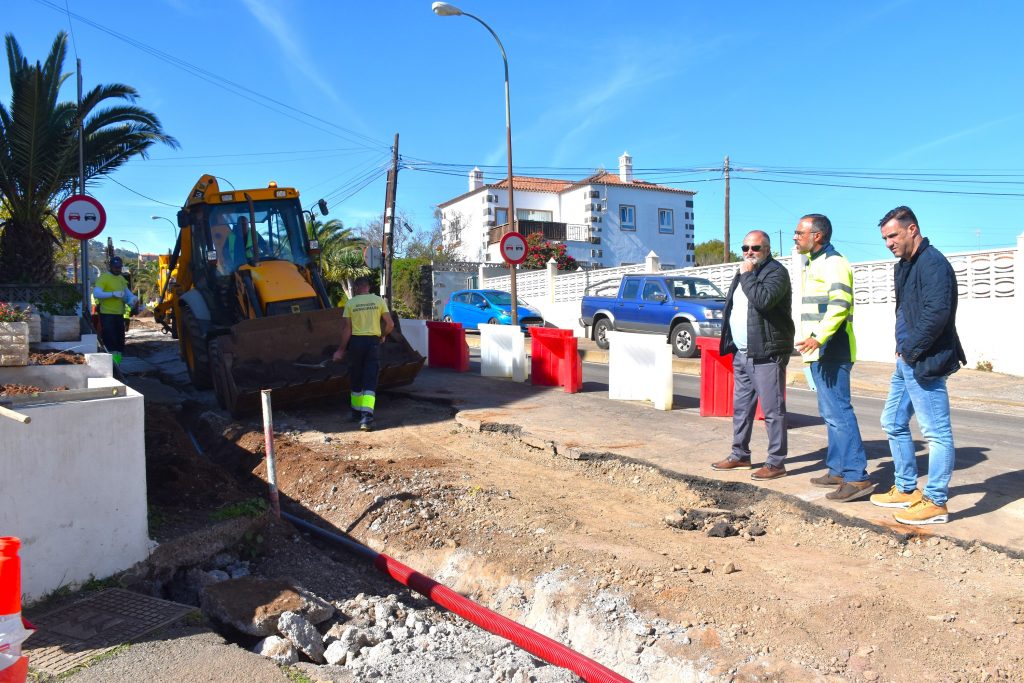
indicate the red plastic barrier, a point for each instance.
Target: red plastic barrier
{"x":446,"y":346}
{"x":10,"y":606}
{"x":716,"y":381}
{"x":555,"y":360}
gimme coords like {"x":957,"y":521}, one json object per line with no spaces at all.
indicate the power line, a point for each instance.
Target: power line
{"x":173,"y":206}
{"x":887,"y":189}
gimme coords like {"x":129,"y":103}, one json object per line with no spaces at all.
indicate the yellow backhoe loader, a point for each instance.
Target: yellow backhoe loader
{"x":244,"y":297}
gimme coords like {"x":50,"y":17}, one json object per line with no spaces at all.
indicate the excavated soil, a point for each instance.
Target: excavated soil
{"x":21,"y":389}
{"x":786,"y":592}
{"x":56,"y":358}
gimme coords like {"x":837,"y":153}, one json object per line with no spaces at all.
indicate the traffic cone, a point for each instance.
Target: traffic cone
{"x":13,"y":665}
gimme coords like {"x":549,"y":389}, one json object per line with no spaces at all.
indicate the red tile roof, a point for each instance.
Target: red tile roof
{"x":521,"y":182}
{"x":555,"y":186}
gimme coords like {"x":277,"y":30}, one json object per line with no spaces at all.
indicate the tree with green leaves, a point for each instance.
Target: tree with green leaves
{"x":39,"y":152}
{"x":341,"y":255}
{"x":710,"y":253}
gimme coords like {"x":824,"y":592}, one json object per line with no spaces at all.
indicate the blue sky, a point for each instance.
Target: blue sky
{"x":913,"y":95}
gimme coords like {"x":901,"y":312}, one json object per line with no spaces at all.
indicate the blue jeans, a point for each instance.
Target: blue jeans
{"x":845,"y":457}
{"x":930,"y":402}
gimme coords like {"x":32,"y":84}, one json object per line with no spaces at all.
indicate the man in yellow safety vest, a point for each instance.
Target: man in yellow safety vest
{"x":365,"y":326}
{"x":830,"y":349}
{"x":112,"y":294}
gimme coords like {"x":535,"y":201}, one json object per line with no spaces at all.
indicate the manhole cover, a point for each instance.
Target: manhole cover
{"x":70,"y":636}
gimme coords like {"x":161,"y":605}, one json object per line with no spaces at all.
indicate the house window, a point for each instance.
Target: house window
{"x":533,"y":215}
{"x":665,"y":221}
{"x":689,"y":203}
{"x":627,"y":217}
{"x":501,"y":215}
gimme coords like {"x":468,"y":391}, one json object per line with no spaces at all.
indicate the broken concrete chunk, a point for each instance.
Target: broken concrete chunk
{"x":721,"y":530}
{"x":336,"y":653}
{"x":303,"y":635}
{"x":278,"y":649}
{"x":254,"y":605}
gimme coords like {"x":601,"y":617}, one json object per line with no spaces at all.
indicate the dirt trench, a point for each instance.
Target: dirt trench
{"x":580,"y":551}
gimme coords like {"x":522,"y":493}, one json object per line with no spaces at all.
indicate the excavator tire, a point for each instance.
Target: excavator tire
{"x":197,"y":358}
{"x":217,"y":369}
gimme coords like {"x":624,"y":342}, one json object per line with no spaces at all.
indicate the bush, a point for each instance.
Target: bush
{"x":59,"y":300}
{"x":12,"y":314}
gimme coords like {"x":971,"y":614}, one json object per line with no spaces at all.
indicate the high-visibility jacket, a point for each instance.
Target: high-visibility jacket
{"x":108,"y":282}
{"x":826,"y":309}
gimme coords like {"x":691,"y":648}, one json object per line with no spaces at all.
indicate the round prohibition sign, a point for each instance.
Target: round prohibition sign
{"x":513,"y":248}
{"x":81,"y":217}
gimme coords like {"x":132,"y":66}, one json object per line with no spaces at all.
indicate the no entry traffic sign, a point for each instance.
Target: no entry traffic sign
{"x":81,"y":217}
{"x":513,"y":248}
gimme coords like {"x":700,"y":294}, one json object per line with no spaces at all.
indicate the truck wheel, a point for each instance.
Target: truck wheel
{"x":601,"y":329}
{"x":197,"y":356}
{"x":684,"y":342}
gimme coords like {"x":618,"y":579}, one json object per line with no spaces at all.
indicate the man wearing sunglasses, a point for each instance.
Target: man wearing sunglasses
{"x":758,"y":330}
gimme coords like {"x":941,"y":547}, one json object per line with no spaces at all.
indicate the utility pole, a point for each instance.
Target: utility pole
{"x":977,"y":233}
{"x":725,"y":248}
{"x":387,"y":242}
{"x":83,"y":244}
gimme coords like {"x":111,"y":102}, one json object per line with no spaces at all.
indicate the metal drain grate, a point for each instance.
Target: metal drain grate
{"x":71,"y":636}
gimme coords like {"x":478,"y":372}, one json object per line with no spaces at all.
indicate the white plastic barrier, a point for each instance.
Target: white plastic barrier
{"x":640,"y":368}
{"x":502,"y":352}
{"x":415,"y":332}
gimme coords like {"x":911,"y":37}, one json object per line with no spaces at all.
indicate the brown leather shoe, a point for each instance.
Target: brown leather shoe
{"x":769,"y":472}
{"x":730,"y":464}
{"x":827,"y":481}
{"x":851,"y":490}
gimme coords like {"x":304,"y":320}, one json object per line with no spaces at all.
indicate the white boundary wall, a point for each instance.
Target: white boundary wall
{"x":73,"y":489}
{"x":989,"y":310}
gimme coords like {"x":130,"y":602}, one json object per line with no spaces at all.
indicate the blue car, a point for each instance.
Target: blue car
{"x":471,"y":307}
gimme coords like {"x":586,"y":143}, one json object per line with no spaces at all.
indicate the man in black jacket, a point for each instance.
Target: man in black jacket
{"x":927,"y":351}
{"x":758,"y":329}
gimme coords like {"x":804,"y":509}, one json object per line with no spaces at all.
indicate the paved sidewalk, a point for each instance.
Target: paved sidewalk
{"x":986,"y":497}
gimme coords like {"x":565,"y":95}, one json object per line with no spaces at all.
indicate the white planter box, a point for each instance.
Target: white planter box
{"x":13,"y":343}
{"x":62,"y":328}
{"x":35,"y":328}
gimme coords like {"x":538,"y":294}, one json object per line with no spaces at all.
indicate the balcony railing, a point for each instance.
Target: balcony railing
{"x":557,"y":232}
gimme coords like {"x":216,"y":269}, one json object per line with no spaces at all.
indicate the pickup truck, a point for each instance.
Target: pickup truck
{"x":681,"y":308}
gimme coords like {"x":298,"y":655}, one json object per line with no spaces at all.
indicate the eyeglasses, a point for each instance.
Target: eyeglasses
{"x":751,"y":247}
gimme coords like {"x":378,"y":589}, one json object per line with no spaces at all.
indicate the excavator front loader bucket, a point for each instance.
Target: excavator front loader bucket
{"x":291,"y":355}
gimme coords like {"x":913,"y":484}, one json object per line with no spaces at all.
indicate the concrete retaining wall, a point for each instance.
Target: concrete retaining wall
{"x":71,"y":376}
{"x":73,"y":488}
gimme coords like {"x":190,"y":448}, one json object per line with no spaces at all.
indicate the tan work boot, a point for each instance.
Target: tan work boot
{"x":923,"y":511}
{"x":894,"y":498}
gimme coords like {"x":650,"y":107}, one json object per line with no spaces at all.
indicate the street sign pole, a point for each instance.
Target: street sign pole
{"x":83,"y":244}
{"x":513,"y":250}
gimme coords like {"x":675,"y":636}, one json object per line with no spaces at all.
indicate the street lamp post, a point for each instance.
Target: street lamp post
{"x":138,"y":253}
{"x":173,"y":224}
{"x":443,"y":9}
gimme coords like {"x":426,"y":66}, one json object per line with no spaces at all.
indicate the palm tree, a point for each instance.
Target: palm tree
{"x":341,"y":256}
{"x":39,"y":152}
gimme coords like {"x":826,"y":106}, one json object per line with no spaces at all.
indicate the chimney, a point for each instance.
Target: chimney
{"x":626,"y":168}
{"x":476,"y":179}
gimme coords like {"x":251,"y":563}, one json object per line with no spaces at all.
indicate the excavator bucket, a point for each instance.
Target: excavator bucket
{"x":291,"y":355}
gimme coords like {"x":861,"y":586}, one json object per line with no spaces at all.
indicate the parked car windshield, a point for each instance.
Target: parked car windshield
{"x":694,"y":287}
{"x":501,"y":298}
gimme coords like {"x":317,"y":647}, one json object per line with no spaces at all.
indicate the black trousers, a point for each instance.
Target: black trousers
{"x":363,"y":368}
{"x":113,"y":331}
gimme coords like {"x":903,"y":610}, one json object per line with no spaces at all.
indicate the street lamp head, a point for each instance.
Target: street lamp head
{"x":443,"y":9}
{"x":156,"y":218}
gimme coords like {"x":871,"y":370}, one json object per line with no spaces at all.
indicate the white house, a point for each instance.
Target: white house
{"x":604,"y":220}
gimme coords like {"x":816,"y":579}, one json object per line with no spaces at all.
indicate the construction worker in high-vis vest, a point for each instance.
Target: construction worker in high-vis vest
{"x":829,"y":350}
{"x":112,"y":294}
{"x":365,"y":326}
